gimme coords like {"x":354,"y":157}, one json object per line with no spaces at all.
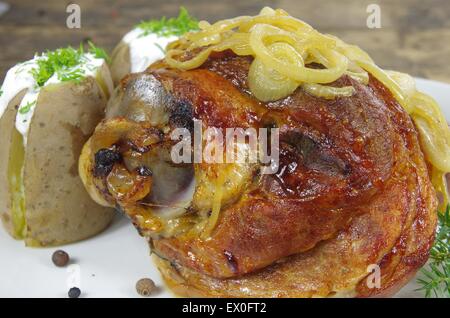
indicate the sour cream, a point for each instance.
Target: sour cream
{"x":145,"y":49}
{"x":19,"y":78}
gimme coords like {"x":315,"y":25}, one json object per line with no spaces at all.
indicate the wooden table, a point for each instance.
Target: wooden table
{"x":414,"y":37}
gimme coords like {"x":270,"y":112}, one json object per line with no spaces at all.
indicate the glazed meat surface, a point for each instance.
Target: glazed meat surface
{"x":352,"y":187}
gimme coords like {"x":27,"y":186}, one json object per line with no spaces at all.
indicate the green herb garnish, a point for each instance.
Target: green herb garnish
{"x":1,"y":92}
{"x":167,"y":27}
{"x":160,"y":48}
{"x":56,"y":61}
{"x":64,"y":62}
{"x":21,"y":66}
{"x":75,"y":75}
{"x":437,"y":276}
{"x":98,"y":52}
{"x":26,"y":108}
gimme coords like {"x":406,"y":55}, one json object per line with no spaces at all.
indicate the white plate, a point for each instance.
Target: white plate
{"x":110,"y":264}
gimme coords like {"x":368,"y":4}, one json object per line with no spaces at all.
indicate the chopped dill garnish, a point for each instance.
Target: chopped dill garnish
{"x":436,"y":279}
{"x":21,"y":66}
{"x":172,"y":26}
{"x":75,"y":75}
{"x":56,"y":61}
{"x":26,"y":108}
{"x":64,"y":63}
{"x":160,"y":48}
{"x":98,"y":52}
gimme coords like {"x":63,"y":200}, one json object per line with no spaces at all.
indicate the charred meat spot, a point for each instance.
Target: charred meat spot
{"x":182,"y":116}
{"x":303,"y":144}
{"x":144,"y":171}
{"x":313,"y":155}
{"x":105,"y":160}
{"x":232,"y":262}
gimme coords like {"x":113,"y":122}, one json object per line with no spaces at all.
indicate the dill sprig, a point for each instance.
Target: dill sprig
{"x":436,"y":279}
{"x":172,"y":26}
{"x":98,"y":52}
{"x":441,"y":249}
{"x":64,"y":62}
{"x":26,"y":108}
{"x":55,"y":61}
{"x":74,"y":75}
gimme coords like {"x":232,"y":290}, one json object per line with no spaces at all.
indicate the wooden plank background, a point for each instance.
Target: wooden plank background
{"x":414,"y":38}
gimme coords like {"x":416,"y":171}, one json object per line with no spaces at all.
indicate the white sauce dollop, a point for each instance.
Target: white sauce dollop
{"x":19,"y":78}
{"x":145,"y":49}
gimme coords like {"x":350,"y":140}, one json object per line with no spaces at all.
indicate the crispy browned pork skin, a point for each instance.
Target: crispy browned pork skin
{"x":352,"y":188}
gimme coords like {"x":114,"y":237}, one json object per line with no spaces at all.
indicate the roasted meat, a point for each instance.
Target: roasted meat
{"x":352,"y":188}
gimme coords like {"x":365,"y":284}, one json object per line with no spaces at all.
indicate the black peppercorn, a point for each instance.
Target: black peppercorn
{"x":74,"y":292}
